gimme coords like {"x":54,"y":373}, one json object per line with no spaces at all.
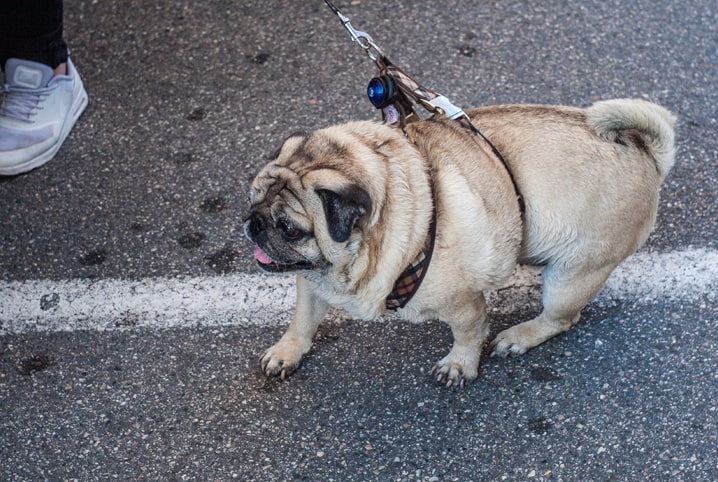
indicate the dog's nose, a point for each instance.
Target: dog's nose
{"x":254,"y":226}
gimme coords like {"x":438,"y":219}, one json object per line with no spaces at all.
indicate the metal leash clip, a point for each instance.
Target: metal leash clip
{"x":395,"y":92}
{"x":362,"y":38}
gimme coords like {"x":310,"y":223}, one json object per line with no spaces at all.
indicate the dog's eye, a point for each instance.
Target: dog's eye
{"x":289,"y":231}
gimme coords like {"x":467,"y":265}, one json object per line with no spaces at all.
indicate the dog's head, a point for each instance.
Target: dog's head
{"x":309,"y":206}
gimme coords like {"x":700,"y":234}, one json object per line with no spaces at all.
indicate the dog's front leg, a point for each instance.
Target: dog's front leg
{"x":286,"y":355}
{"x":470,"y":327}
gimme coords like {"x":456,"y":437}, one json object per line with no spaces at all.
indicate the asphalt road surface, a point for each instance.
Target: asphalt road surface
{"x":132,"y":315}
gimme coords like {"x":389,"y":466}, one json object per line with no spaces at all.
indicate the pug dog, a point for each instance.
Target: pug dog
{"x":350,"y":207}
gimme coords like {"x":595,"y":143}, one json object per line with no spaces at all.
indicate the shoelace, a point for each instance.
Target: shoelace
{"x":21,"y":103}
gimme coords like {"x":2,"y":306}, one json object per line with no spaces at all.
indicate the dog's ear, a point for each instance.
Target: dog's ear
{"x":344,"y":209}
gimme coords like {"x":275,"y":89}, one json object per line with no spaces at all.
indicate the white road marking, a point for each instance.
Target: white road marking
{"x":259,"y":299}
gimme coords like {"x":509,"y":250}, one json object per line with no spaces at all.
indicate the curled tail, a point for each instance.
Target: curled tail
{"x":645,"y":124}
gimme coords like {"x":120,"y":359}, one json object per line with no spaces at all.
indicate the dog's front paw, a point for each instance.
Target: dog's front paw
{"x":459,"y":367}
{"x":283,"y":358}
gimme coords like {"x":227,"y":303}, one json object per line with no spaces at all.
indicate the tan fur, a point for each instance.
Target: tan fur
{"x":589,"y":178}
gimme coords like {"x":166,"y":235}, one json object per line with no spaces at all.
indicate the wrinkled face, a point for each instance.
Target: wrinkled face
{"x":304,"y":210}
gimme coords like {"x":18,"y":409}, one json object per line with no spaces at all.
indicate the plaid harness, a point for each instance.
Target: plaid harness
{"x":410,"y":279}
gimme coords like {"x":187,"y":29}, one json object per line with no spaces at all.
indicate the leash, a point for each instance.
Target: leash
{"x":396,"y":93}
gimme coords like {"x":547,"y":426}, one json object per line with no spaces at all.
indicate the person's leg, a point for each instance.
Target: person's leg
{"x":32,"y":30}
{"x":43,"y":94}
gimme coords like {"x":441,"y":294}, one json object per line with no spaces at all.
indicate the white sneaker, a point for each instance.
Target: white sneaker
{"x":37,"y":112}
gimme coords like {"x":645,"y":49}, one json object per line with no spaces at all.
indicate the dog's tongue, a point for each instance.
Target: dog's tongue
{"x":261,"y":256}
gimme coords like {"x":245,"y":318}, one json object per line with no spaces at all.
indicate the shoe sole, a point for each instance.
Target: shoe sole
{"x":78,"y":107}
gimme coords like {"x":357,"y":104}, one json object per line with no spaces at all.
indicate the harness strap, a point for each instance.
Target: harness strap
{"x":435,"y":102}
{"x":466,"y":123}
{"x":410,"y":279}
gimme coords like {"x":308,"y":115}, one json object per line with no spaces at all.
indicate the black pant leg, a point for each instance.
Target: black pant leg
{"x":32,"y":30}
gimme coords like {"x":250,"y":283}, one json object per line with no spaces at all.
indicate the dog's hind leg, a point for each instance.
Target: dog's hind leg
{"x":566,"y":290}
